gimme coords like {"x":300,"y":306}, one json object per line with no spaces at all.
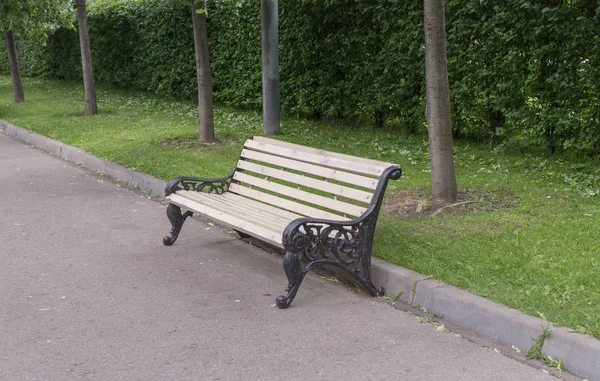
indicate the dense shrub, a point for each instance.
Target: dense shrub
{"x":527,"y":70}
{"x":345,"y":57}
{"x":522,"y":72}
{"x":235,"y":54}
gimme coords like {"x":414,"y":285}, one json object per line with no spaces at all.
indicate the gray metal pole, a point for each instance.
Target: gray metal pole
{"x":270,"y":65}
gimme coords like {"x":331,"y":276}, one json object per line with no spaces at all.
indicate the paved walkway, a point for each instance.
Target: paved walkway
{"x":90,"y":293}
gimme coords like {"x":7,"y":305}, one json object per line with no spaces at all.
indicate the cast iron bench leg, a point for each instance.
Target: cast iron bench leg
{"x":177,"y":219}
{"x":295,"y":274}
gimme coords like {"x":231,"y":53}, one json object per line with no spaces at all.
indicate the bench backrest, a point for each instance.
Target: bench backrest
{"x":307,"y":181}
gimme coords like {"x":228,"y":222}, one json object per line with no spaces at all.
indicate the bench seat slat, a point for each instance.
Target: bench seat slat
{"x":315,"y":199}
{"x":270,"y":235}
{"x":237,"y":199}
{"x":333,"y":174}
{"x":240,"y":209}
{"x":283,"y":203}
{"x":237,"y":211}
{"x":310,"y":182}
{"x":250,"y":210}
{"x":313,"y":158}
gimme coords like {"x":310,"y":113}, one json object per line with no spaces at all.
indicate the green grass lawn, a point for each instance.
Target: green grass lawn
{"x":530,"y":239}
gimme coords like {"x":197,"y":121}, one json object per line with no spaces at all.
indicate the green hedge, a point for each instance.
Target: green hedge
{"x":521,"y":72}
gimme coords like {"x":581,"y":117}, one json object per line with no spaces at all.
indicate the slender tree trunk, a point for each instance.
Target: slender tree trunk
{"x":15,"y":72}
{"x":443,"y":178}
{"x":206,"y":124}
{"x":270,"y":66}
{"x":91,"y":107}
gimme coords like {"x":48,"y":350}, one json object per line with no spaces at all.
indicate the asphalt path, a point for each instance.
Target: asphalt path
{"x":88,"y":292}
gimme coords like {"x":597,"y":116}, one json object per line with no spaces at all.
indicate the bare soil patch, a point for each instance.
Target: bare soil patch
{"x":418,"y":203}
{"x":194,"y":143}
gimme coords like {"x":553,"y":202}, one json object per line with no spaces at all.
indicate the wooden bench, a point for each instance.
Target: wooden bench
{"x":319,"y":206}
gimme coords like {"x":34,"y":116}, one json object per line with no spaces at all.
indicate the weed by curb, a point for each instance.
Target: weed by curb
{"x":535,"y":351}
{"x":391,"y":297}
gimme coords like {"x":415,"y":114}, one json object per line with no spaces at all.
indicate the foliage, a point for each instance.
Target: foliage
{"x":527,"y":71}
{"x":31,"y":21}
{"x":523,"y":73}
{"x":235,"y":52}
{"x":34,"y":18}
{"x":342,"y":58}
{"x":114,"y":38}
{"x":146,"y":44}
{"x":59,"y":58}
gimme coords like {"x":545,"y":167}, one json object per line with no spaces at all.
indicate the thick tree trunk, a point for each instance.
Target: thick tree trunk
{"x":15,"y":72}
{"x":270,"y":66}
{"x":91,"y":107}
{"x":206,"y":124}
{"x":443,"y":178}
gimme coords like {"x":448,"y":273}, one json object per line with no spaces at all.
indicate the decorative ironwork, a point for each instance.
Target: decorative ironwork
{"x":324,"y":242}
{"x":198,"y":184}
{"x":218,"y":186}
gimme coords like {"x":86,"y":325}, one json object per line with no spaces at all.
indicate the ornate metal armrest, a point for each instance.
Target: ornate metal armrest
{"x":320,"y":239}
{"x":346,"y":244}
{"x":199,"y":184}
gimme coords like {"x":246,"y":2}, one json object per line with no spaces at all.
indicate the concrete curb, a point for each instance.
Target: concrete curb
{"x":580,"y":353}
{"x":396,"y":280}
{"x":144,"y":182}
{"x":496,"y":321}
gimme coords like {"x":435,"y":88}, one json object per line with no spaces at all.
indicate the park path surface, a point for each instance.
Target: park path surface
{"x":90,"y":293}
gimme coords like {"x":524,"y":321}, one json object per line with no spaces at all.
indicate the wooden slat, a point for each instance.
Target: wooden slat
{"x":328,"y":173}
{"x":215,"y":202}
{"x":250,"y":203}
{"x":239,"y":212}
{"x":246,"y":214}
{"x":279,"y":202}
{"x":269,"y":235}
{"x":313,"y":158}
{"x":318,"y":151}
{"x":310,"y":182}
{"x":325,"y":202}
{"x":242,"y":210}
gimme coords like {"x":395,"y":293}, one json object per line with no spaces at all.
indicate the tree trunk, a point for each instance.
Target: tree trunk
{"x":270,"y":66}
{"x":443,"y":179}
{"x":91,"y":107}
{"x":15,"y":72}
{"x":206,"y":124}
